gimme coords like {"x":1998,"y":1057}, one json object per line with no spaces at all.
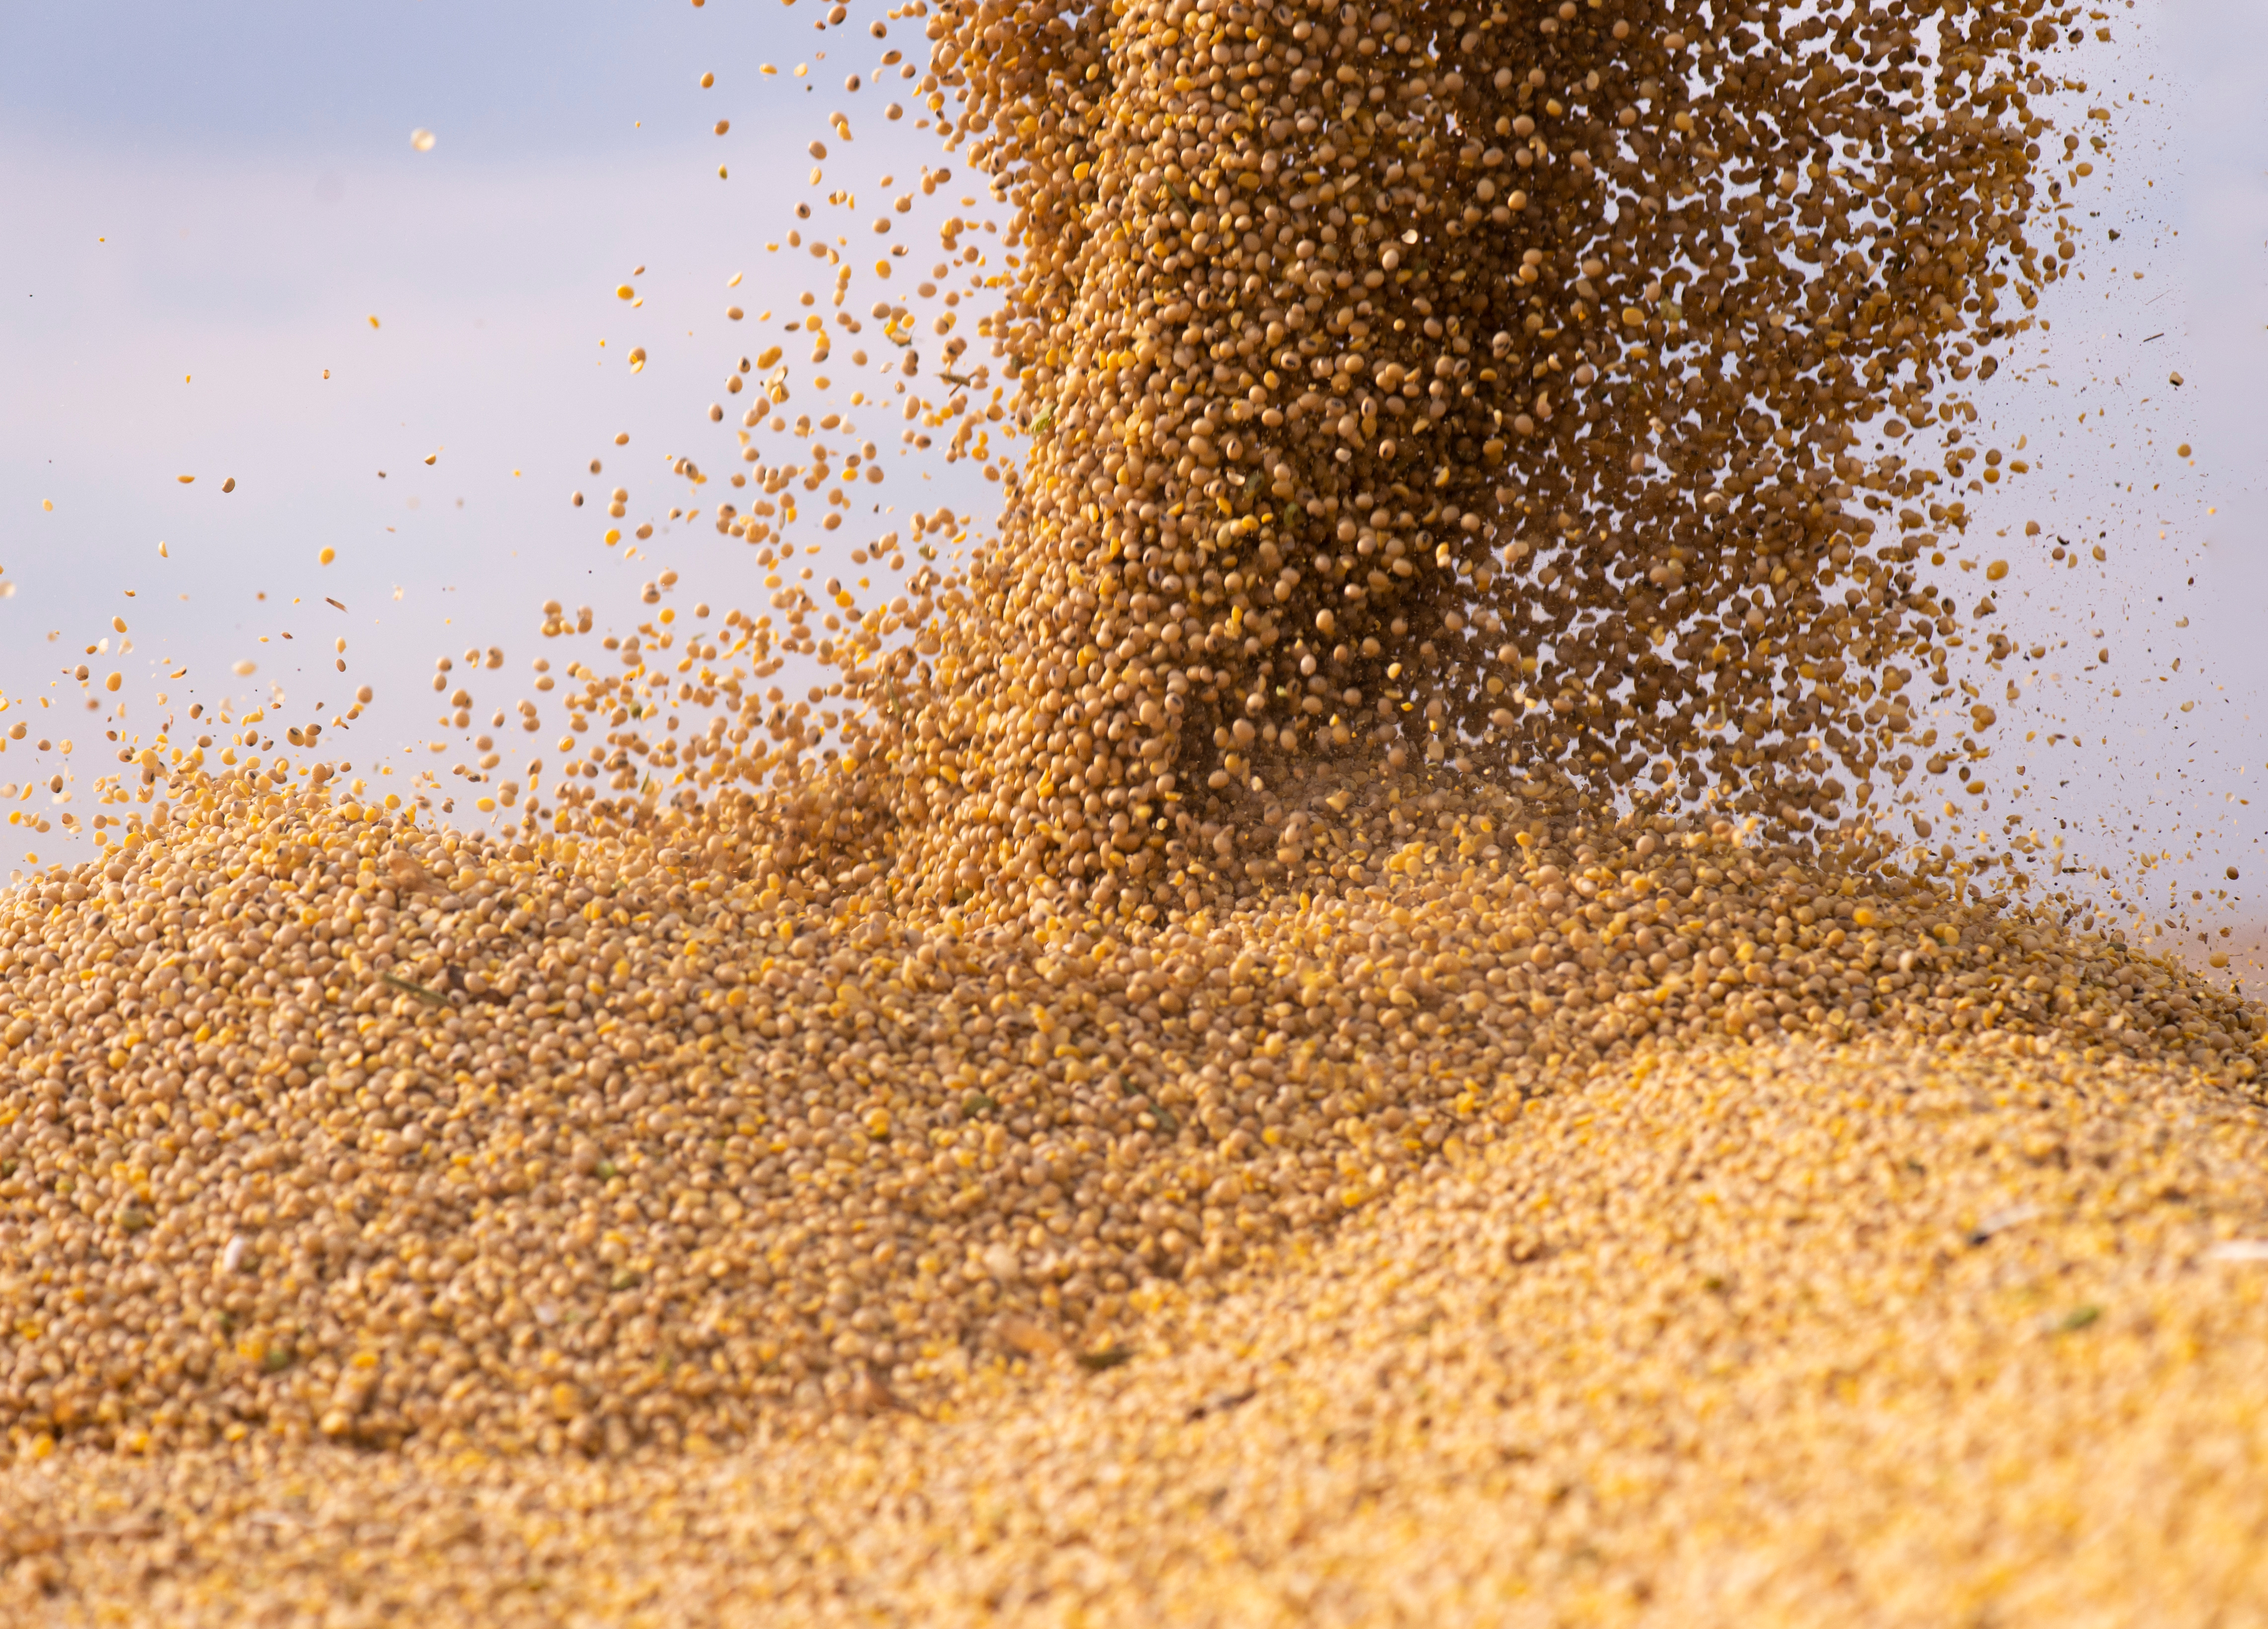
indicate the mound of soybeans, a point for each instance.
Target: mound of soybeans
{"x":1238,"y":1079}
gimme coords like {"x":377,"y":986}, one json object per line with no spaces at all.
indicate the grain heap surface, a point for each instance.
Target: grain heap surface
{"x":1234,"y":1063}
{"x":1769,"y":1335}
{"x":374,"y":1134}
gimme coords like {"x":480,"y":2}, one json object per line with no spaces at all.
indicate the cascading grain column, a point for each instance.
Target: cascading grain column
{"x":1093,"y":599}
{"x":1177,"y":645}
{"x":1424,"y":381}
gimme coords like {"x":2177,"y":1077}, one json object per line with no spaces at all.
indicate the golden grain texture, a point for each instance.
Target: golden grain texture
{"x":1884,"y":1334}
{"x":1228,"y":1083}
{"x":1471,"y":388}
{"x":322,"y":1125}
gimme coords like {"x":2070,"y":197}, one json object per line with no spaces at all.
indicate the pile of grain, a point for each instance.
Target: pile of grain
{"x":1763,"y":1336}
{"x":326,"y":1126}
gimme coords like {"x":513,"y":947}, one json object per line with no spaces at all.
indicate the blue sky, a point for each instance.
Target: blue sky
{"x":508,"y":82}
{"x":208,"y":211}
